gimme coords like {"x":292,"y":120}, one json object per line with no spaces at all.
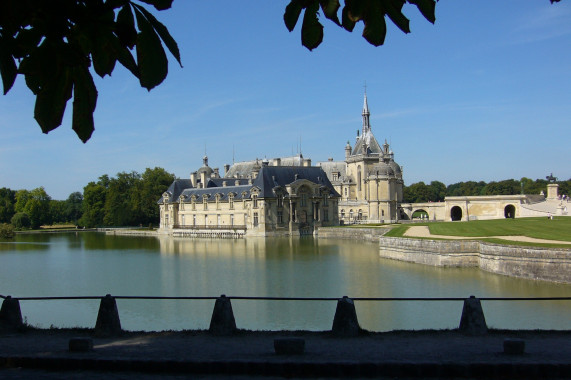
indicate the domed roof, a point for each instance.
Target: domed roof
{"x":396,"y":168}
{"x":382,"y":168}
{"x":205,"y":168}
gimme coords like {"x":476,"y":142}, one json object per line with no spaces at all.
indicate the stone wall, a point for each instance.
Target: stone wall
{"x":548,"y":264}
{"x":360,"y":233}
{"x":457,"y":253}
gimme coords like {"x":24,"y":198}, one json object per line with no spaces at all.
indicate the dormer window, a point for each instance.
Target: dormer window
{"x":205,"y":201}
{"x":231,"y":201}
{"x":255,"y":201}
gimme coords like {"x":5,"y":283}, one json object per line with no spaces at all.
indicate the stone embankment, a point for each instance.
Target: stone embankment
{"x":371,"y":234}
{"x":536,"y":263}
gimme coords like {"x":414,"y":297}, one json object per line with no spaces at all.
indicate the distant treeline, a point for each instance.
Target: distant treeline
{"x":436,"y":191}
{"x":128,"y":199}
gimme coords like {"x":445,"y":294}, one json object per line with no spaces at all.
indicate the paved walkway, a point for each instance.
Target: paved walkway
{"x":423,"y":231}
{"x":410,"y":354}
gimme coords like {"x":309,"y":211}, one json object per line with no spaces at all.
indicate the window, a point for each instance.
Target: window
{"x":345,"y":192}
{"x":217,"y":201}
{"x":194,"y":220}
{"x":280,"y":216}
{"x":206,"y":220}
{"x":303,"y":201}
{"x":342,"y":214}
{"x":182,"y":220}
{"x":359,"y":178}
{"x":181,"y":205}
{"x":231,"y":219}
{"x":218,"y":220}
{"x":382,"y":212}
{"x":325,"y":198}
{"x":335,"y":176}
{"x":231,"y":201}
{"x":280,"y":200}
{"x":193,"y":203}
{"x":254,"y":201}
{"x":325,"y":215}
{"x":205,"y":202}
{"x":255,"y":219}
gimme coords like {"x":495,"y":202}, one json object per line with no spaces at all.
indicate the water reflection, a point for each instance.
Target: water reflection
{"x":80,"y":264}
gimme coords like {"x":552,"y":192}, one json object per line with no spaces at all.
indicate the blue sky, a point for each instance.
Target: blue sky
{"x":484,"y":94}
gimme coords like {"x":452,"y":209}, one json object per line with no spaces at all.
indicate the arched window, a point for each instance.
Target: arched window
{"x":359,"y":178}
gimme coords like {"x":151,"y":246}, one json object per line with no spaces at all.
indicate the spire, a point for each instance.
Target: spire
{"x":366,"y":114}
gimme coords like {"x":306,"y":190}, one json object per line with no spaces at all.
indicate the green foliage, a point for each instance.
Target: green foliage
{"x":21,"y":220}
{"x":94,"y":195}
{"x":54,"y":44}
{"x":36,"y":204}
{"x":7,"y":203}
{"x":73,"y":207}
{"x":6,"y":231}
{"x":129,"y":199}
{"x":371,"y":12}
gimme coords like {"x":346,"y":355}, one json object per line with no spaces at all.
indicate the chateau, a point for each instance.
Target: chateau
{"x":256,"y":198}
{"x":289,"y":196}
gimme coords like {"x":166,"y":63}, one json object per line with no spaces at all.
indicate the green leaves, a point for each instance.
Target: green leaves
{"x":371,"y":12}
{"x":151,"y":57}
{"x":54,"y":44}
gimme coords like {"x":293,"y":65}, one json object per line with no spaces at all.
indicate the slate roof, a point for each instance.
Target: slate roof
{"x":268,"y":178}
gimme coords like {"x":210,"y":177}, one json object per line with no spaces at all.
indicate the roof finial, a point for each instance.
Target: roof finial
{"x":366,"y":113}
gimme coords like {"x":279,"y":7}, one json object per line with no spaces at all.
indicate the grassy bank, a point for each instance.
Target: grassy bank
{"x":540,"y":228}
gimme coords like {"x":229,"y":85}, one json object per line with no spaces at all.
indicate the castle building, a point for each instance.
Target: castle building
{"x":284,"y":196}
{"x":369,"y":181}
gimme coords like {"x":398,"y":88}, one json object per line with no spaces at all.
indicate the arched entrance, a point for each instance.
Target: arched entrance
{"x":509,"y":211}
{"x":456,"y":213}
{"x":420,"y":214}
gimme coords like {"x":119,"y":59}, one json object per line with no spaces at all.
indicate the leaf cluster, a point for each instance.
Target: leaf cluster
{"x":371,"y":12}
{"x":55,"y":44}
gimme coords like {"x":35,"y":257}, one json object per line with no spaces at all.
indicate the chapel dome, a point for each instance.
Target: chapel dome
{"x":382,"y":168}
{"x":396,"y":168}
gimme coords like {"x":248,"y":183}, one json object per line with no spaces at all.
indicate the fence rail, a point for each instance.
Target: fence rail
{"x":344,"y":323}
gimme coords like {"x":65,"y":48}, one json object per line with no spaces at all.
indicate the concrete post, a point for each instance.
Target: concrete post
{"x":222,"y":321}
{"x":345,"y":322}
{"x":10,"y":314}
{"x":108,"y":322}
{"x":473,"y":321}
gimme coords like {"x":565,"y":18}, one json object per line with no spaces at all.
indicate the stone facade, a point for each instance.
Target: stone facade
{"x":252,"y":199}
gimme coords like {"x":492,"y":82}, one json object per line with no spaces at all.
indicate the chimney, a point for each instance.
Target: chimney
{"x":278,"y":162}
{"x":224,"y":184}
{"x":216,"y":173}
{"x":226,"y":169}
{"x":193,"y":179}
{"x":307,"y":162}
{"x":203,"y":179}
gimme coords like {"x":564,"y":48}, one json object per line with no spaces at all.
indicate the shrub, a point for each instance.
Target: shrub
{"x":21,"y":220}
{"x":6,"y":231}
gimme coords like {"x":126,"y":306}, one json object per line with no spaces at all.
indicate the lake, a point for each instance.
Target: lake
{"x":95,"y":264}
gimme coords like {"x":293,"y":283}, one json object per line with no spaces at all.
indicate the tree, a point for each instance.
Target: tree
{"x":94,"y":195}
{"x":6,"y":231}
{"x":436,"y":191}
{"x":20,"y":220}
{"x":53,"y":44}
{"x":73,"y":207}
{"x":38,"y":207}
{"x":57,"y":211}
{"x":154,"y":183}
{"x":7,"y":202}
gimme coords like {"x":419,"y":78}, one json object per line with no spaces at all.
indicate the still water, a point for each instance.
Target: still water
{"x":93,"y":264}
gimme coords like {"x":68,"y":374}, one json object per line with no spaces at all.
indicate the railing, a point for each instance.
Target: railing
{"x":472,"y":320}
